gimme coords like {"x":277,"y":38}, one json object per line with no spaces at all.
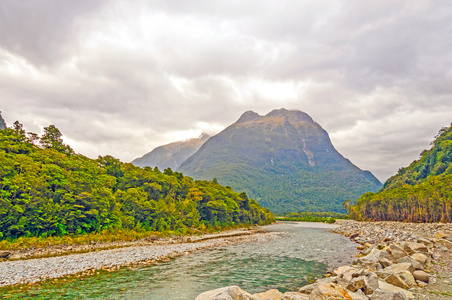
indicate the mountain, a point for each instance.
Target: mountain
{"x":171,"y":155}
{"x":284,"y":160}
{"x":2,"y":122}
{"x":421,"y":192}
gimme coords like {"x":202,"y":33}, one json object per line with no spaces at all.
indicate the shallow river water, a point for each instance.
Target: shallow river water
{"x":301,"y":254}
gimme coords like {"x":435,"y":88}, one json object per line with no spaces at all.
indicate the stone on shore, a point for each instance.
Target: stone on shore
{"x":380,"y":294}
{"x":386,"y":286}
{"x":421,"y":275}
{"x":4,"y":254}
{"x":226,"y":293}
{"x":273,"y":294}
{"x":329,"y":291}
{"x":294,"y":296}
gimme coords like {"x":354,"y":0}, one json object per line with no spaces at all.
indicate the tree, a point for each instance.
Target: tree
{"x":52,"y":139}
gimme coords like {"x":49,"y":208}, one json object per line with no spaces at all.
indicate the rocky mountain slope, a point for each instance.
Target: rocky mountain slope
{"x":284,"y":160}
{"x":171,"y":155}
{"x":2,"y":122}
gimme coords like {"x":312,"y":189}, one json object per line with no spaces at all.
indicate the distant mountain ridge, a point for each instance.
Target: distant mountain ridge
{"x":284,"y":160}
{"x":171,"y":155}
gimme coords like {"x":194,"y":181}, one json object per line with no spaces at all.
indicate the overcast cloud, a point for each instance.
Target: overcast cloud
{"x":122,"y":77}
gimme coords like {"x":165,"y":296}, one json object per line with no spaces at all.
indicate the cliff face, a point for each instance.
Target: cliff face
{"x":2,"y":122}
{"x":284,"y":160}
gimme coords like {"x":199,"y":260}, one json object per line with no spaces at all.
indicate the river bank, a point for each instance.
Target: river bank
{"x":20,"y":271}
{"x":396,"y":261}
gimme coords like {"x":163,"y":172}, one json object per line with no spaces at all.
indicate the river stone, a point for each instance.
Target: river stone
{"x":4,"y":254}
{"x":397,"y":252}
{"x":421,"y":275}
{"x":412,"y":247}
{"x":396,"y":280}
{"x":386,"y":286}
{"x":342,"y":270}
{"x":226,"y":293}
{"x":370,"y":283}
{"x":329,"y":291}
{"x":408,"y":278}
{"x":356,"y":296}
{"x":307,"y":289}
{"x":399,"y":268}
{"x":346,"y":284}
{"x":419,"y":257}
{"x":273,"y":294}
{"x":294,"y":296}
{"x":380,"y":294}
{"x":407,"y":259}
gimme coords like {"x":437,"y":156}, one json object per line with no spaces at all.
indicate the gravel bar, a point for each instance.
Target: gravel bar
{"x":34,"y":270}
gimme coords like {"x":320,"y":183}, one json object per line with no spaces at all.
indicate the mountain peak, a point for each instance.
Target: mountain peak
{"x":248,"y":116}
{"x":291,"y":115}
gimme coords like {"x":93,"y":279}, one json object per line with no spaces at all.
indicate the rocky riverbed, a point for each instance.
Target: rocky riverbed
{"x":19,"y":271}
{"x":397,"y":261}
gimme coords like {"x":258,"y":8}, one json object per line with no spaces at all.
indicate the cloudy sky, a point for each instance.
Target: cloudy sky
{"x":122,"y":77}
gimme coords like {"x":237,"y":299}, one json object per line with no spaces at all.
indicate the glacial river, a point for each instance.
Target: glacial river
{"x":304,"y":252}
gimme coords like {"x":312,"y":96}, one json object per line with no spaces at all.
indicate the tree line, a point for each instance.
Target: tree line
{"x":46,"y":189}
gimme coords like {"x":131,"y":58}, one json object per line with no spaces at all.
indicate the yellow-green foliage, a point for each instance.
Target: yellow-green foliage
{"x":48,"y":190}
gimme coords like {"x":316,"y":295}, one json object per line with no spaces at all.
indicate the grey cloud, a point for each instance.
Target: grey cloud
{"x":42,"y":31}
{"x":375,"y":74}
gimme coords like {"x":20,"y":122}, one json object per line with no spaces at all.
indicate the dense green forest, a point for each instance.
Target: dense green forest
{"x":421,"y":192}
{"x":48,"y":190}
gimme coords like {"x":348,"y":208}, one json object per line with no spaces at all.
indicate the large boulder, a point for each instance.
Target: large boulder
{"x":273,"y":294}
{"x":294,"y":296}
{"x":226,"y":293}
{"x":380,"y":294}
{"x":386,"y":286}
{"x":329,"y":291}
{"x":399,"y":268}
{"x":307,"y":289}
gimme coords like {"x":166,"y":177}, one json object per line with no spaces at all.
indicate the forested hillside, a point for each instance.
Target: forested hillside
{"x":46,"y":189}
{"x":421,"y":192}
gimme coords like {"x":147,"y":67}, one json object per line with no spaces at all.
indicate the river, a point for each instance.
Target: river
{"x":299,"y":255}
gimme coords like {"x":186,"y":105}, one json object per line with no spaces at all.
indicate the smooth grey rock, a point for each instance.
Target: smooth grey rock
{"x":421,"y":275}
